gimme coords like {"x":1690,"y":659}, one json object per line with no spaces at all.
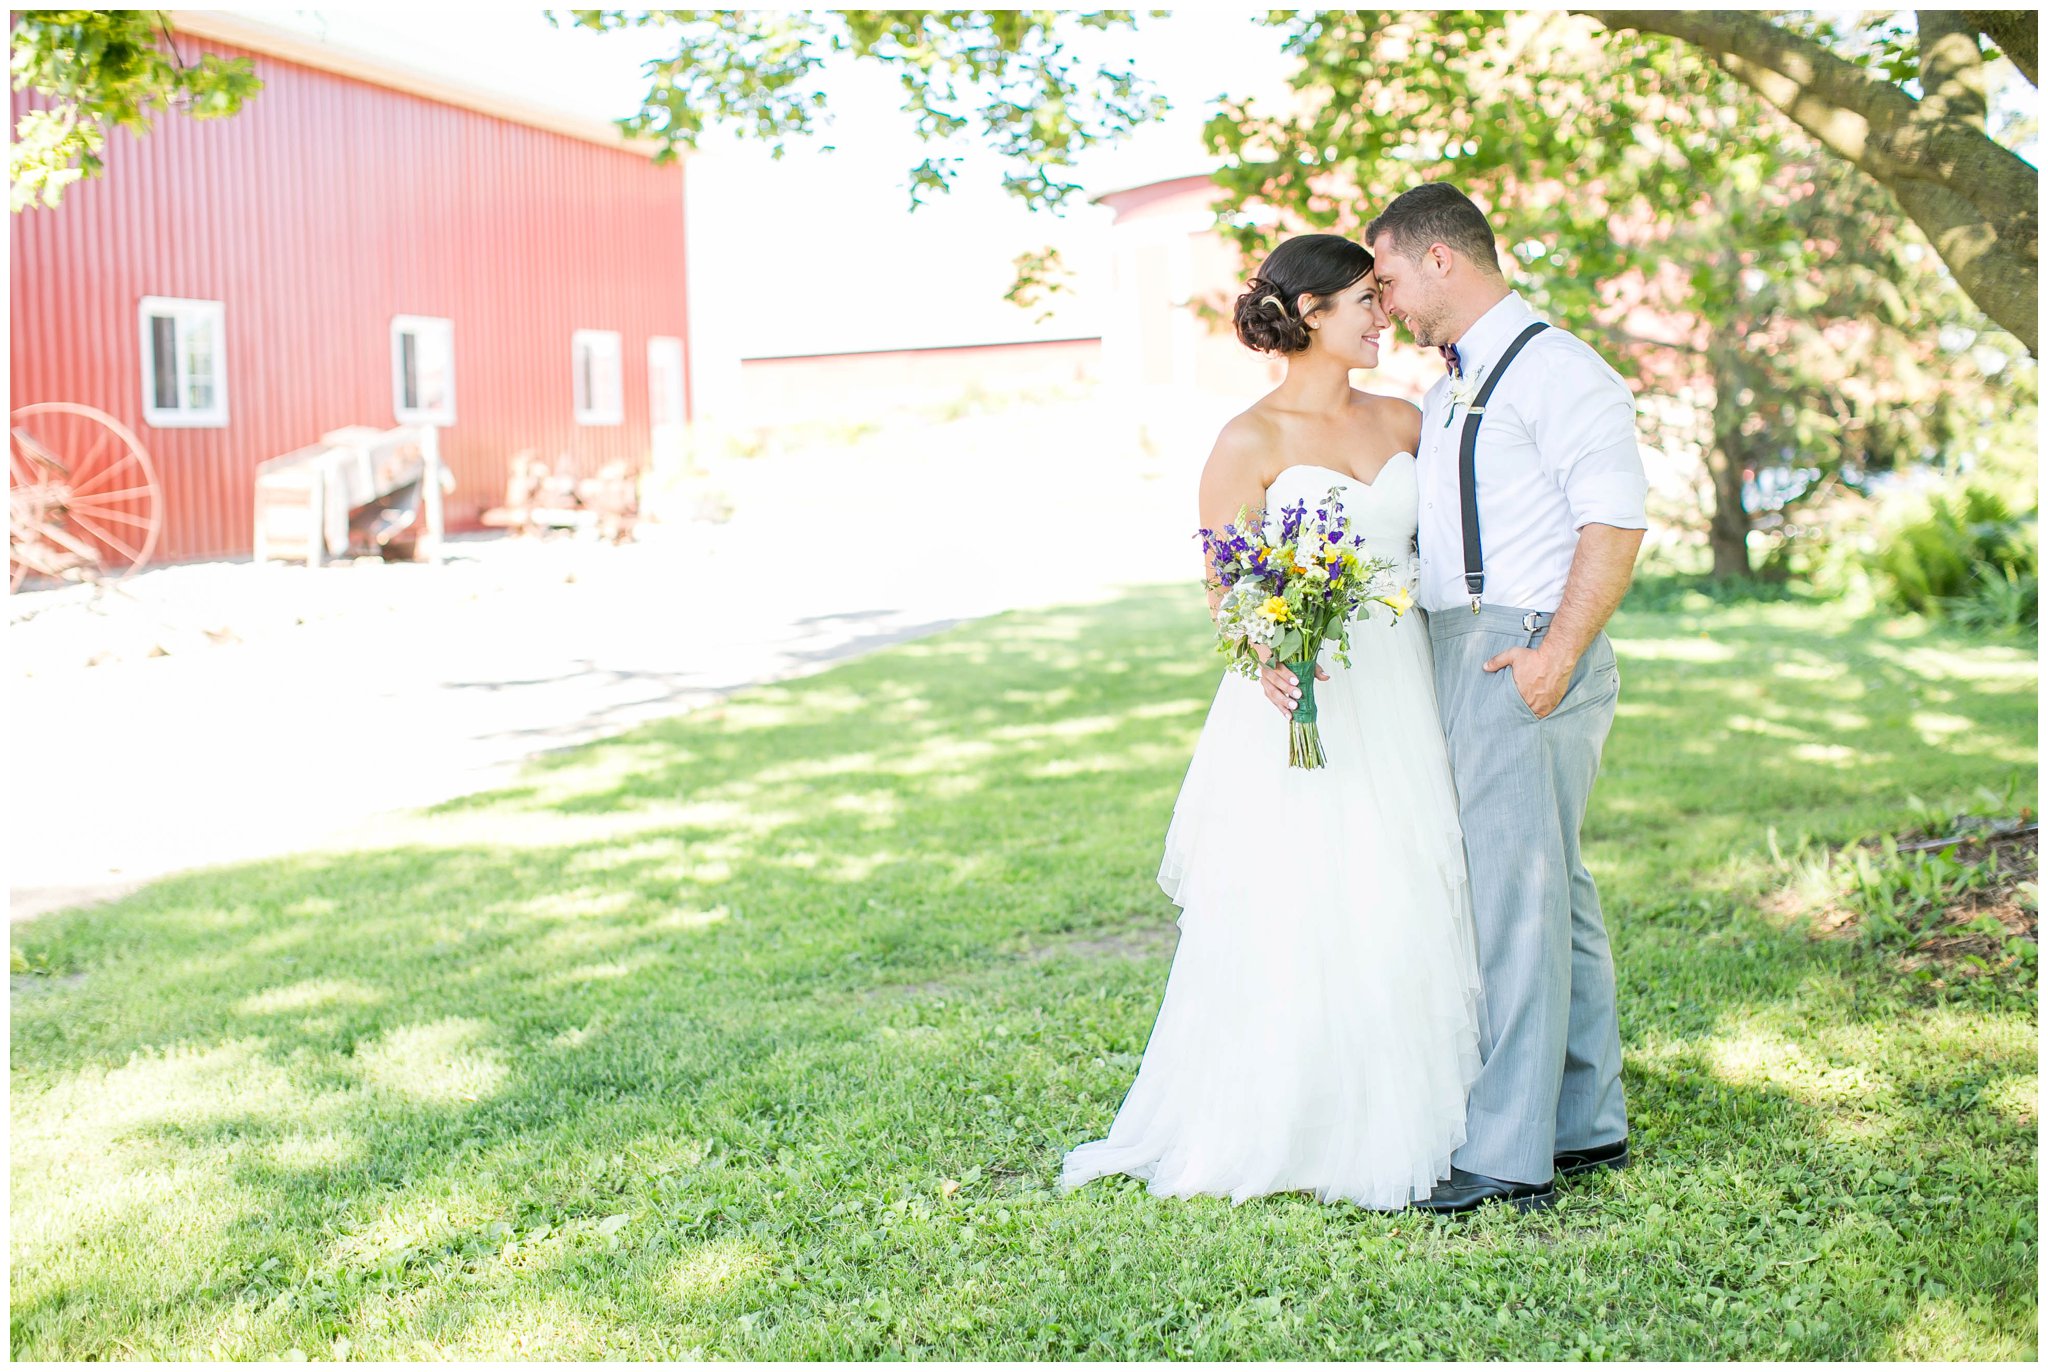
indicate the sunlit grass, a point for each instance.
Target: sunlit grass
{"x":758,"y":1034}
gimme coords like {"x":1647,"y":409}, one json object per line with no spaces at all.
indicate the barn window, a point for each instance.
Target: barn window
{"x":184,"y":367}
{"x":600,"y":390}
{"x":665,"y":382}
{"x":423,"y":370}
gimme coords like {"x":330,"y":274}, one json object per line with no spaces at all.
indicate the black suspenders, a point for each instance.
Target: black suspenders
{"x":1468,"y":451}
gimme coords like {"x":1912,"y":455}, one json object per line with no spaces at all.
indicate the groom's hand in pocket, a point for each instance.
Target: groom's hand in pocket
{"x":1281,"y":687}
{"x":1541,"y":677}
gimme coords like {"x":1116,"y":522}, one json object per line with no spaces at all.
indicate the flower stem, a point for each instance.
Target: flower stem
{"x":1304,"y":746}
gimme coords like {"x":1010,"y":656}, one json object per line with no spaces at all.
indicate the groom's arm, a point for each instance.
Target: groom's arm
{"x":1586,"y":432}
{"x":1601,"y":569}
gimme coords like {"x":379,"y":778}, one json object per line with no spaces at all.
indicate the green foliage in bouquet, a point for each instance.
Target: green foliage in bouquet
{"x":1293,"y":587}
{"x":1286,"y":588}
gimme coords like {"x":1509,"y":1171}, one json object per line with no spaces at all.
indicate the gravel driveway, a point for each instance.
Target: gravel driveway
{"x":218,"y":712}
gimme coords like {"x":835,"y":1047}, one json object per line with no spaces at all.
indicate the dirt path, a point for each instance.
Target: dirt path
{"x":220,"y":712}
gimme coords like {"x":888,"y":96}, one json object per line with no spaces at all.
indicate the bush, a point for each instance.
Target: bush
{"x":2004,"y":601}
{"x":1658,"y":591}
{"x":1970,"y":559}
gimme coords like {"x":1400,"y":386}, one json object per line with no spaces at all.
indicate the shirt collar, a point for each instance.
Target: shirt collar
{"x":1483,"y":343}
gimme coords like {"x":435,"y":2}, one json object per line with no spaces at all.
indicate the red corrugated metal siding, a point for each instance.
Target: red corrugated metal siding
{"x":323,"y":209}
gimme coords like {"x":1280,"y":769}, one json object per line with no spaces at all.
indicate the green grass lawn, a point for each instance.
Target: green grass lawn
{"x":759,"y":1034}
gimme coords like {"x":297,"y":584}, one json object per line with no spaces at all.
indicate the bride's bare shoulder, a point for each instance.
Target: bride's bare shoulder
{"x":1389,"y":406}
{"x":1400,"y":419}
{"x":1246,"y":439}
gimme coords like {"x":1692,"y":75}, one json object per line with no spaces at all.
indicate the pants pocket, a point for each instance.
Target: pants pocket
{"x":1517,"y":702}
{"x":1596,"y":681}
{"x":1596,"y":677}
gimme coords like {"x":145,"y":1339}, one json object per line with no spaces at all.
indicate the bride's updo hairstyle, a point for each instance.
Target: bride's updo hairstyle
{"x":1317,"y":264}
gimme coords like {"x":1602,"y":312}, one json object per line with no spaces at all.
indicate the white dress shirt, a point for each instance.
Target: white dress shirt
{"x":1557,"y":451}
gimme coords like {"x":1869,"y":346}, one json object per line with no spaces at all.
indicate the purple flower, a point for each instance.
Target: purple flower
{"x":1291,"y":518}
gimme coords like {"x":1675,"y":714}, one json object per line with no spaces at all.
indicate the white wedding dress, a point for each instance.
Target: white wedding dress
{"x":1321,"y":1021}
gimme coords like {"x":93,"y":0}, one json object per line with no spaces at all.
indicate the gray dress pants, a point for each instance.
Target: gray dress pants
{"x":1551,"y":1079}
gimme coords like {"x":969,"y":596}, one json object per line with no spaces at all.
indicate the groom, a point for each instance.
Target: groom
{"x":1518,"y":586}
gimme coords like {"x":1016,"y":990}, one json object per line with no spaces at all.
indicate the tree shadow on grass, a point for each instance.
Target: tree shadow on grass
{"x":765,"y":979}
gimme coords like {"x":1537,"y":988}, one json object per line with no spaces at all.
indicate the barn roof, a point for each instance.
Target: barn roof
{"x":378,"y":70}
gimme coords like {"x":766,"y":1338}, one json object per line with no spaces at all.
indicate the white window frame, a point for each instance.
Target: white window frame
{"x":428,"y":331}
{"x":665,"y":357}
{"x":186,"y":313}
{"x":598,"y":409}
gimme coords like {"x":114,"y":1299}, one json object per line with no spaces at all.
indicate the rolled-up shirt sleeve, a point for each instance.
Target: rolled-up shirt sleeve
{"x":1586,"y":437}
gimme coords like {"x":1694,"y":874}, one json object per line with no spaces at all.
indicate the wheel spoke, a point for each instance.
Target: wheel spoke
{"x":103,"y":497}
{"x":104,"y":512}
{"x":133,"y":554}
{"x":126,"y":457}
{"x":85,"y":464}
{"x":22,"y":469}
{"x":70,"y":543}
{"x":40,"y":453}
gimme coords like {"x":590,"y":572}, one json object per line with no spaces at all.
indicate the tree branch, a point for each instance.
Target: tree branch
{"x":1990,"y":266}
{"x":1977,"y":202}
{"x":1951,"y":69}
{"x":1853,"y":110}
{"x":2016,"y":33}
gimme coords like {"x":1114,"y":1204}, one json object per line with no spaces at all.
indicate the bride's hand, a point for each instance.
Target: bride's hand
{"x":1282,"y":688}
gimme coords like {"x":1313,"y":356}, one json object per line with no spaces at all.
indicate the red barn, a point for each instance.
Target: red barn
{"x":361,"y":245}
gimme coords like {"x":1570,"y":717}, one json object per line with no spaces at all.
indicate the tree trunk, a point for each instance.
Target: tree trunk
{"x":1726,"y":456}
{"x":1728,"y":528}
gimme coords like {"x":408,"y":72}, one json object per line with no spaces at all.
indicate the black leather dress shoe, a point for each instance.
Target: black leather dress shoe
{"x":1467,"y":1191}
{"x":1593,"y":1158}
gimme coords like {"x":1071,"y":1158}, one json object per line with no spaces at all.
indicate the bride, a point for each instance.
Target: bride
{"x":1321,"y":1021}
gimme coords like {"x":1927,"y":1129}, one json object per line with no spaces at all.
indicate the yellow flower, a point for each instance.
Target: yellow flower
{"x":1350,"y":562}
{"x":1276,"y":609}
{"x":1399,"y":602}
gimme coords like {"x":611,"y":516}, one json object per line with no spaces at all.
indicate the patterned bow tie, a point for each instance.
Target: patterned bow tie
{"x":1450,"y":352}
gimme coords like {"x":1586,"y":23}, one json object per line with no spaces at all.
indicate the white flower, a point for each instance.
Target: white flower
{"x":1464,"y":390}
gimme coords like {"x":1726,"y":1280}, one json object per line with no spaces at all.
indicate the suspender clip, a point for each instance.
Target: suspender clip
{"x":1475,"y":605}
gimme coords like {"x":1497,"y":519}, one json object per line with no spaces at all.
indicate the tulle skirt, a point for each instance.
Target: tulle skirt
{"x":1322,"y":1019}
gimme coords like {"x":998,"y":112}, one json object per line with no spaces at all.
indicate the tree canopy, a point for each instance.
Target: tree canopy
{"x":1771,"y":303}
{"x":98,"y":70}
{"x":1906,"y":103}
{"x":1012,"y":77}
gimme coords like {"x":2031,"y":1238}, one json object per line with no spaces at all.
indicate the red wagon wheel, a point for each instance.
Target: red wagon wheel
{"x":82,"y":494}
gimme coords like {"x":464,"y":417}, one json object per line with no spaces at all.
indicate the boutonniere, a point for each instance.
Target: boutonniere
{"x":1464,"y":390}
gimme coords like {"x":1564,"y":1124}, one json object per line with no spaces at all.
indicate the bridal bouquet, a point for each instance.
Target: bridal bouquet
{"x":1293,"y":593}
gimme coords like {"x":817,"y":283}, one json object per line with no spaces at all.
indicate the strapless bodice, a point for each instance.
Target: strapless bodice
{"x":1382,"y":511}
